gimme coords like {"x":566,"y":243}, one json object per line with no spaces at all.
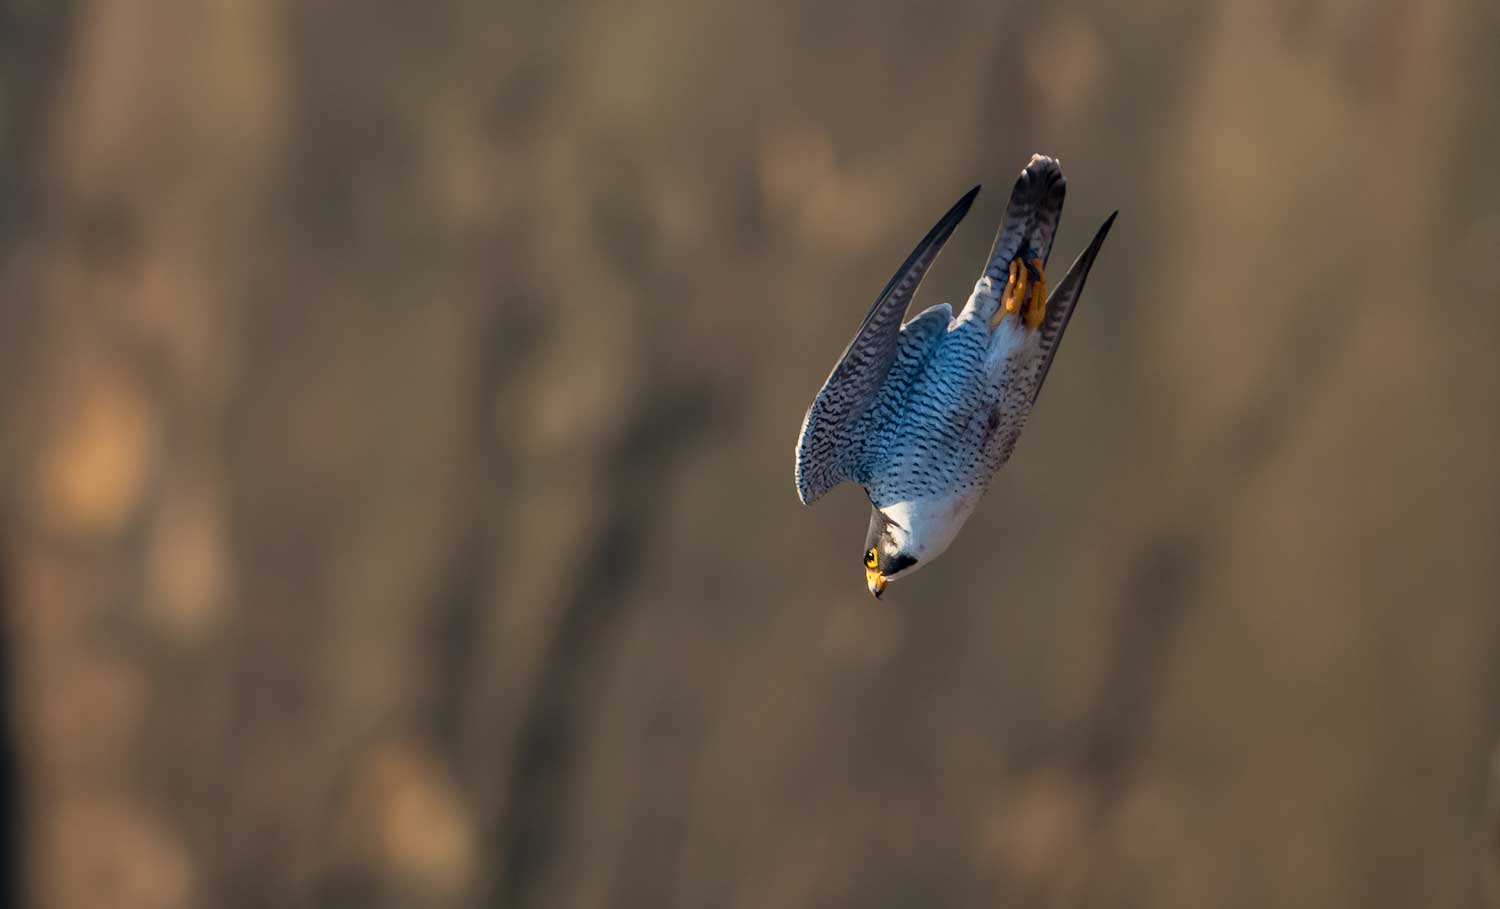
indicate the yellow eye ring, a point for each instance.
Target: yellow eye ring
{"x":870,"y":560}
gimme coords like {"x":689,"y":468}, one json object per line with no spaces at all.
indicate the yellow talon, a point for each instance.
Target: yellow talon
{"x":1015,"y":291}
{"x":1036,"y":309}
{"x":1016,"y":294}
{"x":1017,"y":286}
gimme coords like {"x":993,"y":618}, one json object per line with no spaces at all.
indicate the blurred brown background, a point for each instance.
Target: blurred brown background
{"x":398,"y":411}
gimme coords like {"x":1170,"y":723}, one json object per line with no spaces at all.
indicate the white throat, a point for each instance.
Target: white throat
{"x":927,"y":526}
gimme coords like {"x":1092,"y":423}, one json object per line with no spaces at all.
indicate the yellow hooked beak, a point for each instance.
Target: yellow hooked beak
{"x":875,"y":581}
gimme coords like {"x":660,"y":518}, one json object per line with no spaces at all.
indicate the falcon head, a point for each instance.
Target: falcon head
{"x":888,"y":552}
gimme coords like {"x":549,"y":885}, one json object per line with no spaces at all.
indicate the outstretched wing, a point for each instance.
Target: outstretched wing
{"x":829,"y":443}
{"x":1062,"y":301}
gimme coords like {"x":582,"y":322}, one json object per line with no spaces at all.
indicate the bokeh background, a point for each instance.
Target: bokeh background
{"x":398,"y":410}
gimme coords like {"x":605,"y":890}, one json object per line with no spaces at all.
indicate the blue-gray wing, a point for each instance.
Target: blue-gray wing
{"x":914,"y":349}
{"x":828,"y":448}
{"x":1062,"y":301}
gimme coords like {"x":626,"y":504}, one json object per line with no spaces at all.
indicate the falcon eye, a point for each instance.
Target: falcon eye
{"x":870,"y":560}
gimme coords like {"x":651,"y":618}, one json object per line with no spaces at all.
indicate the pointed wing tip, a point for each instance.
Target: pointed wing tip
{"x":939,"y":234}
{"x":961,"y":207}
{"x":1102,"y":232}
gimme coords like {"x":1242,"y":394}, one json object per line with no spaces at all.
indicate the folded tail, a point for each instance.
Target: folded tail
{"x":1024,"y":241}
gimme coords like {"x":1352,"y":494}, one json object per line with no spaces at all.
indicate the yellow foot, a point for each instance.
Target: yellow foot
{"x":1036,"y":307}
{"x":1015,"y":299}
{"x":1015,"y":292}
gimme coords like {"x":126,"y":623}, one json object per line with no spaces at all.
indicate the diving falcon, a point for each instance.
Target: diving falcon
{"x":922,"y":414}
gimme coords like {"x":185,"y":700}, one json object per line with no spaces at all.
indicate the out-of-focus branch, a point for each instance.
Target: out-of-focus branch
{"x":566,"y":684}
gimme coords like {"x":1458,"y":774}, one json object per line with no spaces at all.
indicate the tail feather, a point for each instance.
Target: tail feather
{"x":1031,"y":217}
{"x":1031,"y":220}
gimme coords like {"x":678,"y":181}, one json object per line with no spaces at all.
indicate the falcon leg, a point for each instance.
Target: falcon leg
{"x":1029,"y":303}
{"x":1036,"y":307}
{"x":1015,"y":291}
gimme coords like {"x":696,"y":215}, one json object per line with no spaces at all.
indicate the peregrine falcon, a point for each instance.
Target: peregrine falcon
{"x":923,"y":414}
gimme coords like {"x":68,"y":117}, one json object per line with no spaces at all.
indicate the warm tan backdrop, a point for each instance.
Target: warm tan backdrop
{"x":398,"y":409}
